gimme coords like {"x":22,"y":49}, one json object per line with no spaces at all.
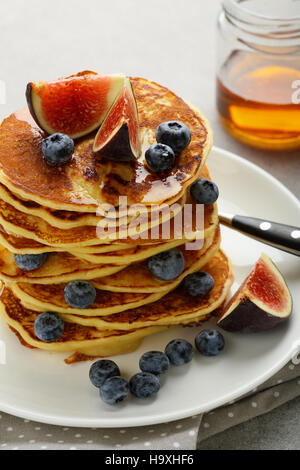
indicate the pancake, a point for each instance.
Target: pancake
{"x":87,"y":340}
{"x":51,"y":297}
{"x":175,"y":308}
{"x":68,"y":220}
{"x":21,"y":245}
{"x":60,"y":219}
{"x":87,"y":182}
{"x":59,"y":267}
{"x":167,"y":236}
{"x":137,"y":278}
{"x":29,"y":226}
{"x":160,"y":229}
{"x":74,"y":213}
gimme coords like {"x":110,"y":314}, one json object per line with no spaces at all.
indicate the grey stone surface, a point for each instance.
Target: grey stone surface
{"x":171,"y":42}
{"x":277,"y":430}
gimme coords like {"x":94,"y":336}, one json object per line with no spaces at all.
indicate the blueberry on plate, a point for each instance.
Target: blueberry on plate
{"x":49,"y":327}
{"x":102,"y":370}
{"x":175,"y":134}
{"x":204,"y":191}
{"x":154,"y":362}
{"x":167,"y":265}
{"x":179,"y":352}
{"x":80,"y":294}
{"x":114,"y":390}
{"x":200,"y":283}
{"x":30,"y":262}
{"x":160,"y":158}
{"x":58,"y":149}
{"x":210,"y":342}
{"x":144,"y":385}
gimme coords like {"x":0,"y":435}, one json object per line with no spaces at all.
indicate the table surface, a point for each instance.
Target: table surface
{"x":170,"y":41}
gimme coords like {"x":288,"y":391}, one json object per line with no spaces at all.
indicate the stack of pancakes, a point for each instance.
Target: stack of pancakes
{"x":74,"y":213}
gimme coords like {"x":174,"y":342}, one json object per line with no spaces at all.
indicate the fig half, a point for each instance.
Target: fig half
{"x":262,"y":302}
{"x":75,"y":105}
{"x":119,"y":136}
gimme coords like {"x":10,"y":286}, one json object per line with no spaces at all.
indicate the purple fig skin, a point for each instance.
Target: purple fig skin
{"x":28,"y":95}
{"x":247,"y":317}
{"x":118,"y":149}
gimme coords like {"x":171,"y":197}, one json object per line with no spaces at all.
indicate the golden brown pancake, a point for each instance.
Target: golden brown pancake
{"x":61,"y":211}
{"x":136,"y":277}
{"x":59,"y":267}
{"x":175,"y":308}
{"x":88,"y":181}
{"x":21,"y":245}
{"x":87,"y":340}
{"x":51,"y":297}
{"x":29,"y":226}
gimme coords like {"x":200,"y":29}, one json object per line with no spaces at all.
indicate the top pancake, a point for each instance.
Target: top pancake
{"x":85,"y":183}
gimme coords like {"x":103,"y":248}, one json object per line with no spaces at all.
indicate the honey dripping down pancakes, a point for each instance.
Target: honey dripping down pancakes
{"x":113,"y":272}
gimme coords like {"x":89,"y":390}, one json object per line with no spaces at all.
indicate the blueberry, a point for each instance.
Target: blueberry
{"x":114,"y":390}
{"x":154,"y":362}
{"x":160,"y":158}
{"x":199,"y":283}
{"x":30,"y":262}
{"x":204,"y":191}
{"x":179,"y":352}
{"x":102,"y":370}
{"x":144,"y":385}
{"x":49,"y":327}
{"x":175,"y":134}
{"x":58,"y":149}
{"x":210,"y":342}
{"x":167,"y":265}
{"x":80,"y":294}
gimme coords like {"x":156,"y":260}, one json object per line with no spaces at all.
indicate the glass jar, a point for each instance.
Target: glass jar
{"x":258,"y":78}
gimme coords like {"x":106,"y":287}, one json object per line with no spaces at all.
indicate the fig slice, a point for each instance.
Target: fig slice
{"x":119,"y":137}
{"x":262,"y":302}
{"x":74,"y":105}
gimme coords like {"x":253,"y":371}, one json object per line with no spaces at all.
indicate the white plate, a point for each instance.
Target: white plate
{"x":39,"y":386}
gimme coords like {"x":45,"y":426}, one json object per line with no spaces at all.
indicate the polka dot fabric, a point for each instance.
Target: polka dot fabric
{"x":22,"y":434}
{"x":283,"y":387}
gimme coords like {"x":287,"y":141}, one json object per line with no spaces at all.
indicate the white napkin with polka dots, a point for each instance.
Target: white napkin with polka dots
{"x":16,"y":433}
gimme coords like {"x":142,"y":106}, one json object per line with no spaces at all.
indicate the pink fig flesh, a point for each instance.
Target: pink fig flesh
{"x":262,"y":302}
{"x":75,"y":105}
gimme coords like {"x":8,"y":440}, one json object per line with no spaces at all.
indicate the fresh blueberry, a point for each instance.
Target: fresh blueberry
{"x":179,"y":352}
{"x":175,"y":134}
{"x":114,"y":390}
{"x":80,"y":294}
{"x":102,"y":370}
{"x":167,"y":265}
{"x":58,"y":149}
{"x":154,"y":362}
{"x":49,"y":327}
{"x":144,"y":385}
{"x":204,"y":191}
{"x":30,"y":262}
{"x":160,"y":158}
{"x":199,"y":283}
{"x":210,"y":342}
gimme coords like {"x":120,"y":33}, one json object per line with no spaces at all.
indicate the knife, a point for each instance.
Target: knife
{"x":283,"y":237}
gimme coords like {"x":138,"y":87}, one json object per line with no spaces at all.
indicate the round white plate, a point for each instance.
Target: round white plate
{"x":39,"y":386}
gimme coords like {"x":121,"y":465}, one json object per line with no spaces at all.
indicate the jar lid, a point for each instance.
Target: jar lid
{"x":275,"y":10}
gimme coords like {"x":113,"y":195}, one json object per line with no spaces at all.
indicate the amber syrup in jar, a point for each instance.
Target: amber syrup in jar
{"x":258,"y":91}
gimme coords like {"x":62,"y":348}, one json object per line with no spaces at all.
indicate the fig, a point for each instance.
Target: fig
{"x":262,"y":302}
{"x":118,"y":137}
{"x":75,"y":105}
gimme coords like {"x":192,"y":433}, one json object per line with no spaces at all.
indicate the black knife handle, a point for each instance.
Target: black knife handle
{"x":284,"y":237}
